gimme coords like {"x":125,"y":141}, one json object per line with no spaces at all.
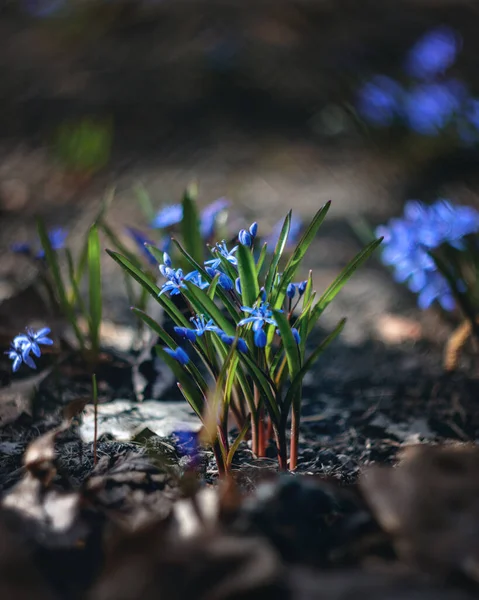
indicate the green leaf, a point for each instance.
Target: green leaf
{"x":145,"y":202}
{"x":190,"y":226}
{"x":297,"y":381}
{"x":278,"y":253}
{"x":235,"y":445}
{"x":262,"y":256}
{"x":52,"y":262}
{"x":157,"y":253}
{"x":265,"y":386}
{"x":289,"y":343}
{"x":150,"y":287}
{"x":94,"y":271}
{"x":340,"y":281}
{"x":76,"y":298}
{"x":191,"y":392}
{"x":115,"y":240}
{"x":298,"y":254}
{"x":248,"y":276}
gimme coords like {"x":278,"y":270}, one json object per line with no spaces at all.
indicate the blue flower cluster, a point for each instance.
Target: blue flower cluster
{"x":408,"y":241}
{"x":431,"y":101}
{"x":257,"y":316}
{"x":25,"y":344}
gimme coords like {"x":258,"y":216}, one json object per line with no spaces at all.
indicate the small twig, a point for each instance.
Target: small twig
{"x":95,"y":419}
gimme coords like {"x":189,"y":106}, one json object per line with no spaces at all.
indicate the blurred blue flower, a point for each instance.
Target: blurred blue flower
{"x":429,"y":107}
{"x":433,"y":53}
{"x":141,"y":239}
{"x":259,"y":338}
{"x":173,"y":214}
{"x":238,"y":285}
{"x":179,"y":354}
{"x":167,"y":216}
{"x":379,"y":100}
{"x":57,"y":237}
{"x":253,"y":229}
{"x":187,"y":441}
{"x":291,"y":291}
{"x":302,"y":287}
{"x":294,"y":233}
{"x":423,"y":228}
{"x":209,"y":215}
{"x":225,"y":282}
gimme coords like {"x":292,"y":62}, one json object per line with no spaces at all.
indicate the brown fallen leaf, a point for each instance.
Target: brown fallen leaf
{"x":430,"y":505}
{"x":16,"y":398}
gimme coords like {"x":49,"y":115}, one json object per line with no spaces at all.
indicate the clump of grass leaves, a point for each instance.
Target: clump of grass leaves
{"x":243,"y":353}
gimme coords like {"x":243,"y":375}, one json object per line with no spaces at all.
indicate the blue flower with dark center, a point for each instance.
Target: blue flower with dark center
{"x":433,"y":53}
{"x":222,"y":250}
{"x":179,"y":354}
{"x":379,"y":100}
{"x":260,"y":315}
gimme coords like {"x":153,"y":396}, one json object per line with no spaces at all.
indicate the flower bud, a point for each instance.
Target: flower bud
{"x":245,"y":238}
{"x":253,"y":229}
{"x":291,"y":291}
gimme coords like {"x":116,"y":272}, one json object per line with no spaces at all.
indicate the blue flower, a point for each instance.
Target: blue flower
{"x":430,"y":107}
{"x":238,"y":285}
{"x":222,"y":250}
{"x":294,"y":232}
{"x":202,"y":325}
{"x":433,"y":53}
{"x":173,"y":214}
{"x":253,"y":229}
{"x":291,"y":291}
{"x":260,"y":315}
{"x":408,"y":241}
{"x":225,"y":282}
{"x":23,"y":344}
{"x":245,"y":238}
{"x":209,"y":215}
{"x":167,"y":216}
{"x":185,"y":333}
{"x":57,"y":237}
{"x":229,"y":339}
{"x":31,"y":340}
{"x":302,"y":287}
{"x":187,"y":441}
{"x":379,"y":100}
{"x":179,"y":354}
{"x":141,"y":239}
{"x":295,"y":332}
{"x":175,"y":278}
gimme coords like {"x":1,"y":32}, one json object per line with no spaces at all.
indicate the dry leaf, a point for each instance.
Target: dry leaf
{"x":430,"y":505}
